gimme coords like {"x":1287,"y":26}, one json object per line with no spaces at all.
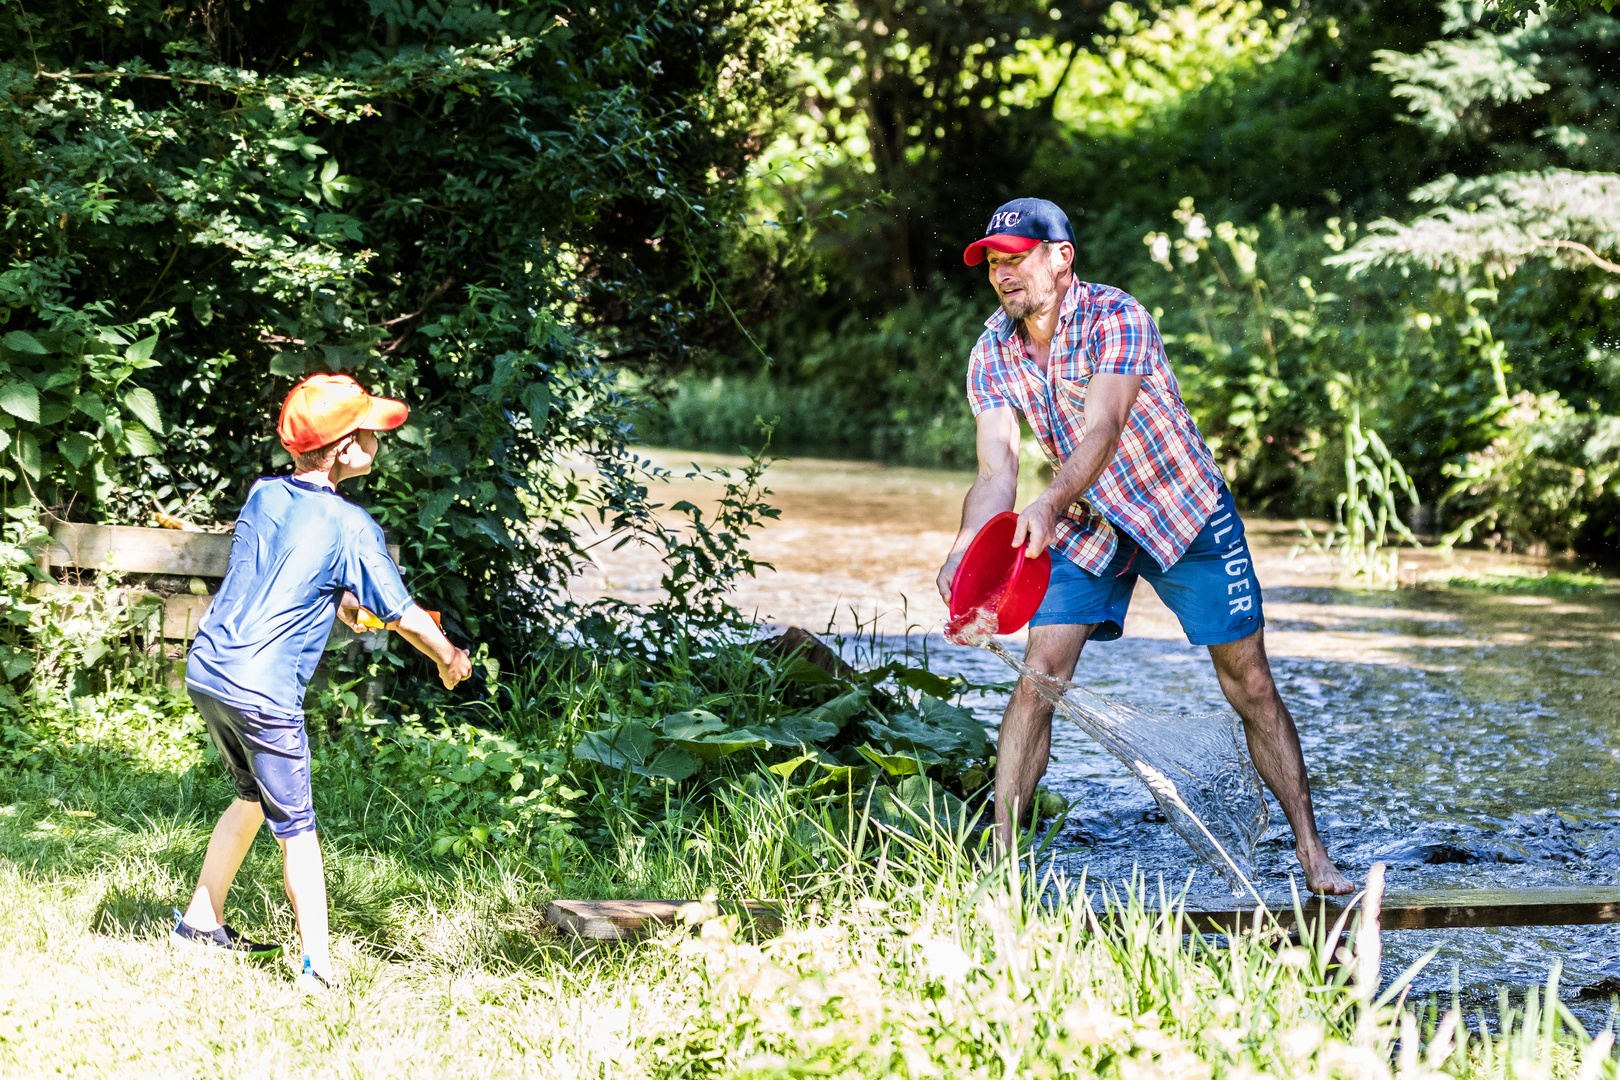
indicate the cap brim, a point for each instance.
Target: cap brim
{"x":385,"y":414}
{"x":1007,"y":245}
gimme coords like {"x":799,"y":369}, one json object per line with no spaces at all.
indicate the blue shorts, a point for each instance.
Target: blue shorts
{"x":268,"y":760}
{"x":1211,"y":588}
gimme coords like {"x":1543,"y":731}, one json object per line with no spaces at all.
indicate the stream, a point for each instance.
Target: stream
{"x":1466,"y":738}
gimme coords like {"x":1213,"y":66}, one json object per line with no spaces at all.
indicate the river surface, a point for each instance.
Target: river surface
{"x":1466,"y":738}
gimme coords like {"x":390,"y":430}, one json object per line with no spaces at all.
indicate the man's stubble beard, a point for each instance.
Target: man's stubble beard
{"x":1037,"y":294}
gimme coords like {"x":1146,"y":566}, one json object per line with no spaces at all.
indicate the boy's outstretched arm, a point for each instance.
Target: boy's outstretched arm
{"x":416,"y":627}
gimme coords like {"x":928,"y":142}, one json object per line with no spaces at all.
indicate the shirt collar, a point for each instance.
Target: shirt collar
{"x":1002,"y":327}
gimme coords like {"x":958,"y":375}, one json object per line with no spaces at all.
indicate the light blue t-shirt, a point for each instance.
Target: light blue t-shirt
{"x":297,"y":547}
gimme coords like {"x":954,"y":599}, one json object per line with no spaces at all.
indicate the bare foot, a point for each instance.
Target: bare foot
{"x":1322,"y":877}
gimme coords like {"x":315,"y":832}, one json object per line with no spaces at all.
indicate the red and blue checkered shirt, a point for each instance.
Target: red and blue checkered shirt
{"x":1162,"y":485}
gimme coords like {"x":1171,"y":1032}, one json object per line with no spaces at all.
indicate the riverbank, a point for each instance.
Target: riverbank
{"x":858,"y":545}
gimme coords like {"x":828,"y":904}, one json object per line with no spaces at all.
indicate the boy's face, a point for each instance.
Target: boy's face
{"x":356,"y":457}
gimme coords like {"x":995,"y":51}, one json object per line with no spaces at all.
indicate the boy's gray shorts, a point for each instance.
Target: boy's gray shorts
{"x":267,"y":757}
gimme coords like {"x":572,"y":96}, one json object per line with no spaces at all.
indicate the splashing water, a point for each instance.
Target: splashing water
{"x":1194,"y":765}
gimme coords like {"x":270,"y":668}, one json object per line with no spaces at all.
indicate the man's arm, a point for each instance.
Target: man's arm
{"x":994,"y":489}
{"x":1109,"y":399}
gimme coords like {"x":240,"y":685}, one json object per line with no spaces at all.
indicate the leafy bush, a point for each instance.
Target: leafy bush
{"x":465,"y":207}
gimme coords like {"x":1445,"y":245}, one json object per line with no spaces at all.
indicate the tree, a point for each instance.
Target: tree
{"x":469,"y":207}
{"x":1496,"y":222}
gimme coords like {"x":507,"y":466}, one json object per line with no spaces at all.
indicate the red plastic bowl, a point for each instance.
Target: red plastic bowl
{"x":994,"y":574}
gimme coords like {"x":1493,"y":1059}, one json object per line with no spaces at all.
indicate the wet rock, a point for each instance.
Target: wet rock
{"x":795,"y":641}
{"x":1604,"y":988}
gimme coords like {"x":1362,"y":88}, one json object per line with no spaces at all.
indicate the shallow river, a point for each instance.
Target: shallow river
{"x":1466,"y":739}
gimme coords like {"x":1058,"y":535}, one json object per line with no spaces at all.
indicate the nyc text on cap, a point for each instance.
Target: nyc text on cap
{"x":324,"y":408}
{"x":1019,"y":226}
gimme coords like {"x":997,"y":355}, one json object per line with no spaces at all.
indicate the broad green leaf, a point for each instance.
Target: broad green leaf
{"x":16,"y":663}
{"x":287,"y":363}
{"x":619,"y":747}
{"x":967,"y":727}
{"x":785,"y":769}
{"x":141,"y":443}
{"x":433,"y":508}
{"x":897,"y":764}
{"x":903,"y":731}
{"x":692,"y":725}
{"x":76,"y":448}
{"x":28,"y":454}
{"x":801,"y":728}
{"x":722,"y":743}
{"x":839,"y":775}
{"x":20,"y":399}
{"x":672,"y":763}
{"x":92,"y":406}
{"x":329,"y":171}
{"x":918,"y":798}
{"x":538,"y":400}
{"x":840,"y":709}
{"x":922,"y":679}
{"x":800,"y":670}
{"x":143,"y":404}
{"x":22,"y":342}
{"x":140,"y":353}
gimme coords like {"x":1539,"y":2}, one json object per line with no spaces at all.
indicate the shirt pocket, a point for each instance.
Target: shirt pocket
{"x":1069,"y":399}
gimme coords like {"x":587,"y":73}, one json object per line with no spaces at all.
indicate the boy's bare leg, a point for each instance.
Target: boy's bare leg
{"x":229,"y":845}
{"x":1024,"y":744}
{"x":1245,"y":675}
{"x":305,"y":875}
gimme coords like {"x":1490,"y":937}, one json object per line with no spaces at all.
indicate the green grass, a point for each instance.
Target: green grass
{"x":902,"y":954}
{"x":1550,"y":583}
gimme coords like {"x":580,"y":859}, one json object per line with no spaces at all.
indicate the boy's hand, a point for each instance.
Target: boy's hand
{"x":349,"y":611}
{"x":459,"y":667}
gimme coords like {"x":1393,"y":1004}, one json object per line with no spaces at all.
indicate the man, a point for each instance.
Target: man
{"x":301,"y":554}
{"x":1136,"y":493}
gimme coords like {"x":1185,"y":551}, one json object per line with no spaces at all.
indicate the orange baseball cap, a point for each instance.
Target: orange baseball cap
{"x":324,"y":408}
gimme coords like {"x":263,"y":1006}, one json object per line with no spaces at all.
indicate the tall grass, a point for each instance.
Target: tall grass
{"x":903,"y":954}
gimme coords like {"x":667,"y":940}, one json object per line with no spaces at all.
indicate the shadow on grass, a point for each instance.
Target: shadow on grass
{"x":122,"y":843}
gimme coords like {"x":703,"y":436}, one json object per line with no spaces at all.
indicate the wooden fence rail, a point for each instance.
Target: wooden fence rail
{"x":129,"y":549}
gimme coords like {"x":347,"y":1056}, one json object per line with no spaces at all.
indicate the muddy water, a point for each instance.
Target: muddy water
{"x":1466,"y":739}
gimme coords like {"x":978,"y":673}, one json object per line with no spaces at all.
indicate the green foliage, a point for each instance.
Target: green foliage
{"x":1549,"y":479}
{"x":466,"y":207}
{"x":1495,"y":223}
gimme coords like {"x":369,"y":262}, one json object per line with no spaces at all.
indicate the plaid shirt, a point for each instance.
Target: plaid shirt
{"x":1162,"y":484}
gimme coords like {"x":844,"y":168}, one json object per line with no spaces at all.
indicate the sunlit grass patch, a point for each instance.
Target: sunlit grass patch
{"x":1529,"y":581}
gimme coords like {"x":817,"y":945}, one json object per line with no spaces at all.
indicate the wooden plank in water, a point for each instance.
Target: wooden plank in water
{"x":623,"y":920}
{"x":1452,"y":909}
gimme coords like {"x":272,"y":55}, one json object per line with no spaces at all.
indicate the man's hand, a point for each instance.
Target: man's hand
{"x":459,"y":667}
{"x":947,"y":574}
{"x":1038,"y":525}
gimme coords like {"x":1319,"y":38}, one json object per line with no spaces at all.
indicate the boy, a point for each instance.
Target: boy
{"x":300,"y":550}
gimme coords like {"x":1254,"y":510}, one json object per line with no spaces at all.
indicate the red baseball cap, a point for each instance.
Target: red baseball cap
{"x":1020,"y":225}
{"x":324,"y":408}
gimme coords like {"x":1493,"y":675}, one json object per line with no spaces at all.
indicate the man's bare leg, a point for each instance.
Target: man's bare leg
{"x":227,"y":847}
{"x":1024,"y":744}
{"x":1245,"y":675}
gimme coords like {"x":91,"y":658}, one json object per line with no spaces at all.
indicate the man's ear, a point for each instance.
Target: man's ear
{"x":1065,"y":253}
